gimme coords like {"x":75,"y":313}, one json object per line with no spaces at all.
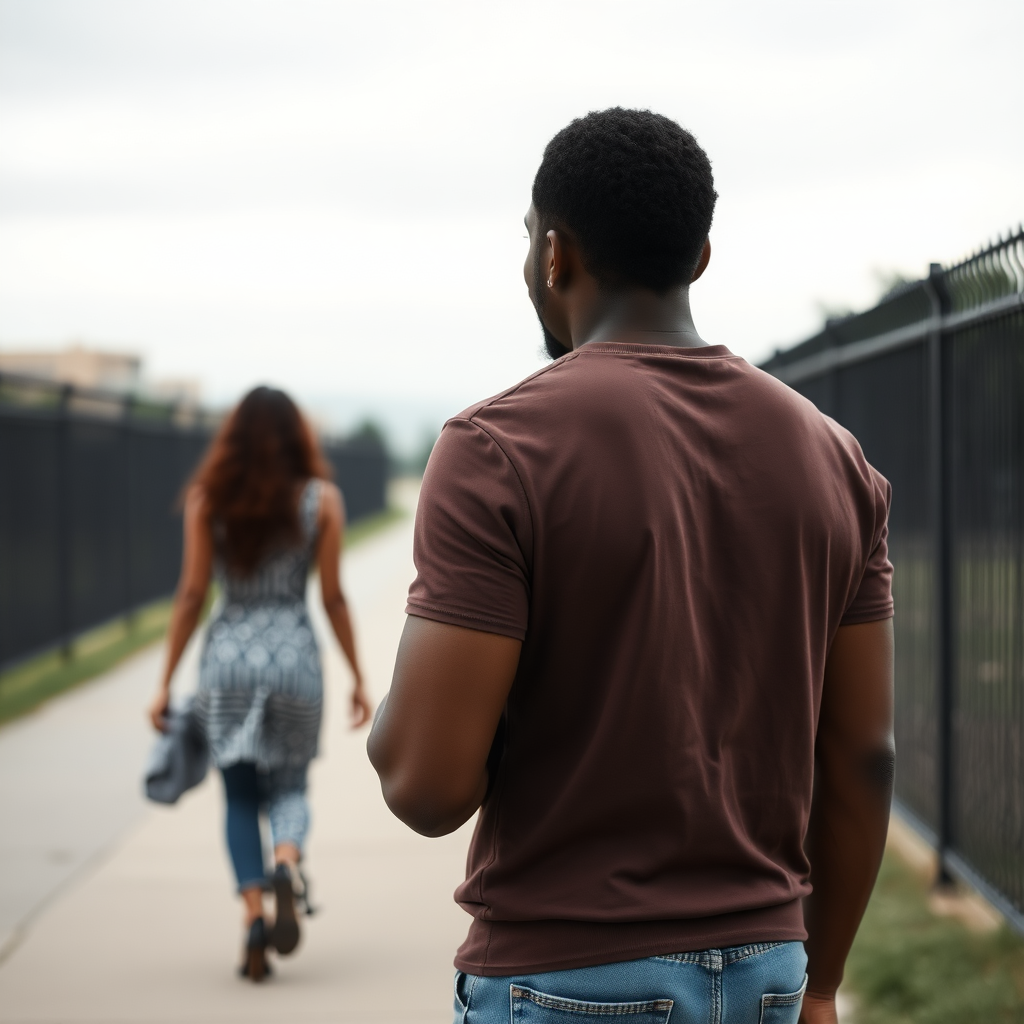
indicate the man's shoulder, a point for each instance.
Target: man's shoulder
{"x":810,"y":434}
{"x":583,"y":372}
{"x":791,"y":405}
{"x":597,"y":386}
{"x":529,"y":390}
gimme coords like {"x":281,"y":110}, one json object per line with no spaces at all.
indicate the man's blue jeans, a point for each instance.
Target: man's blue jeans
{"x":761,"y":983}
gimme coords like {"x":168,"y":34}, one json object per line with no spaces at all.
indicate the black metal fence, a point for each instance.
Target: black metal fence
{"x":89,"y":528}
{"x":931,"y":382}
{"x":361,"y":469}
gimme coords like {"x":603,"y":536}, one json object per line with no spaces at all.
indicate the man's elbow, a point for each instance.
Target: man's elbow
{"x":432,"y":796}
{"x":867,"y":768}
{"x":430,"y":806}
{"x":878,"y":768}
{"x":428,"y":812}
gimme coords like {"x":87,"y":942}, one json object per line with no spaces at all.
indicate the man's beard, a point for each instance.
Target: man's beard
{"x":552,"y":346}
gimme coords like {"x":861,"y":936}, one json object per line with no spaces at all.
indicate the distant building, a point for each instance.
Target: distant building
{"x":185,"y":391}
{"x":82,"y":367}
{"x":104,"y":371}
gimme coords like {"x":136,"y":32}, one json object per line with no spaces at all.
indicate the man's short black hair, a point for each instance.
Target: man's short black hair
{"x":635,"y":192}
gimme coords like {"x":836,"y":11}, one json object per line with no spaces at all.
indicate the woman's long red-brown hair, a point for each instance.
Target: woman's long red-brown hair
{"x":251,"y":477}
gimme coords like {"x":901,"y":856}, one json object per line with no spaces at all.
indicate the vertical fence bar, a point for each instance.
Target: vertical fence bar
{"x":129,"y":511}
{"x":940,"y":411}
{"x":832,"y":380}
{"x":64,"y":520}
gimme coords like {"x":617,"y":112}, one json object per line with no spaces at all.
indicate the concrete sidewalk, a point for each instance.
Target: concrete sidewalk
{"x":150,"y":930}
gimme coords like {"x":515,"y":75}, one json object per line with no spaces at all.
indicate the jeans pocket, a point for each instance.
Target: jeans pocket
{"x":531,"y":1007}
{"x":782,"y":1008}
{"x":461,"y":999}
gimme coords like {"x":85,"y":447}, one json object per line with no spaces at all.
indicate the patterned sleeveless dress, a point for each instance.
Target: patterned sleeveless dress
{"x":260,"y":693}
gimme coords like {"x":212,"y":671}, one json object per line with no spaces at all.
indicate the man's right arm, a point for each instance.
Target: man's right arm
{"x":854,"y":763}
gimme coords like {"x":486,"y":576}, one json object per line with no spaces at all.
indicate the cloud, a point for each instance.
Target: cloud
{"x":306,"y":189}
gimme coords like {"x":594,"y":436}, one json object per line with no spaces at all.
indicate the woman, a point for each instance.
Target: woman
{"x":257,"y":513}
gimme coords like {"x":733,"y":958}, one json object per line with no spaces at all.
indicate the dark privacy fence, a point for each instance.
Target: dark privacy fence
{"x":89,"y":528}
{"x":931,"y":382}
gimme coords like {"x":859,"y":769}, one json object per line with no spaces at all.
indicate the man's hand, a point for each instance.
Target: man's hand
{"x":435,"y":728}
{"x":818,"y":1010}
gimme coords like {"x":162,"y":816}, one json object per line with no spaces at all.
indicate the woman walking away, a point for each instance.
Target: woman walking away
{"x":258,"y":512}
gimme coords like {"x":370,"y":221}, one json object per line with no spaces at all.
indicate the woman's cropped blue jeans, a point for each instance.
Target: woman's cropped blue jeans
{"x":762,"y":983}
{"x":283,"y":792}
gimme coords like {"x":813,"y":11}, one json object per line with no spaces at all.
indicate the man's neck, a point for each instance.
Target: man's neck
{"x":637,"y":316}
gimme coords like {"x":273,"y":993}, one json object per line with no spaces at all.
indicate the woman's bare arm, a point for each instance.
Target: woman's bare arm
{"x":196,"y":562}
{"x":331,"y":523}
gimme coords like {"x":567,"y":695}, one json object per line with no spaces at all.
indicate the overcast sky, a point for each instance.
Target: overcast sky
{"x":329,"y":195}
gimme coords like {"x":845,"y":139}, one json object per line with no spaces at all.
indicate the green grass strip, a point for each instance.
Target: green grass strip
{"x":909,"y":966}
{"x":29,"y":684}
{"x":360,"y":530}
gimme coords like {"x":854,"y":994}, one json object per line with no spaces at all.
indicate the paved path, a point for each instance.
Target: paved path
{"x":69,"y":787}
{"x":114,"y":910}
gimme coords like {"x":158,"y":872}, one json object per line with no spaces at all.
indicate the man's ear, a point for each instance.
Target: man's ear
{"x":705,"y":259}
{"x":555,"y":262}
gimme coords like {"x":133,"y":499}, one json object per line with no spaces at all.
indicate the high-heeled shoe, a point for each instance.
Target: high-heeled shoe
{"x":254,"y":962}
{"x":284,"y":936}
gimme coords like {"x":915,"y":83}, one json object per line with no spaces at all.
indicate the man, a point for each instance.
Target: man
{"x":649,"y":638}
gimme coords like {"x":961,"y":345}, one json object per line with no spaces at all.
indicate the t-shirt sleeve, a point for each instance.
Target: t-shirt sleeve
{"x":473,"y":537}
{"x":873,"y":598}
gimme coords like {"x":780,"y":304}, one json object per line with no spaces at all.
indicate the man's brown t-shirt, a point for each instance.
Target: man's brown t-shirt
{"x":675,"y":537}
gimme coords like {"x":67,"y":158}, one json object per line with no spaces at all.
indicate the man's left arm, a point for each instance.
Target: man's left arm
{"x":433,"y":732}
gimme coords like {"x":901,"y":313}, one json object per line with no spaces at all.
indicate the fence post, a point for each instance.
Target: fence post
{"x":129,"y":516}
{"x":941,"y":451}
{"x":64,"y":520}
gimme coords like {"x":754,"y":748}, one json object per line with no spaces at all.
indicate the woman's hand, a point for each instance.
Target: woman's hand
{"x":818,"y":1010}
{"x":158,"y":709}
{"x":362,"y":709}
